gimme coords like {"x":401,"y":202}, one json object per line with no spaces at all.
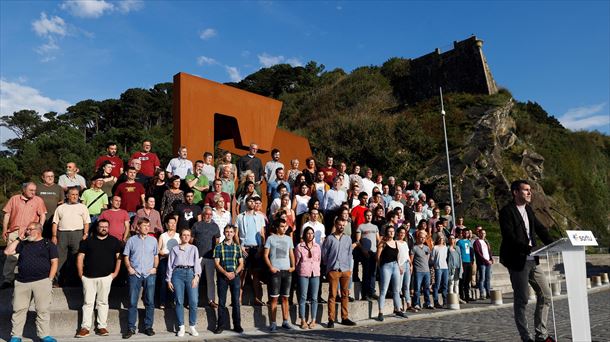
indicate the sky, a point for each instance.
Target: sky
{"x":56,"y":53}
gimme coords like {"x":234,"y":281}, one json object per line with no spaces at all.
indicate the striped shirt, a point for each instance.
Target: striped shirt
{"x":228,"y":255}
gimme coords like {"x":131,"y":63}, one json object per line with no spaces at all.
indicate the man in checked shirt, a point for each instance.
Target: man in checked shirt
{"x":229,"y":263}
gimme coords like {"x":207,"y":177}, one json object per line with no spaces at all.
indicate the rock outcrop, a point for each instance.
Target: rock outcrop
{"x":483,"y":168}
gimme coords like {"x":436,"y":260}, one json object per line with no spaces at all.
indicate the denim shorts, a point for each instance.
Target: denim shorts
{"x":279,"y":284}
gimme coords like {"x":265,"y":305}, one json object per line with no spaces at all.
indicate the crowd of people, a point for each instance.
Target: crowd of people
{"x":197,"y":230}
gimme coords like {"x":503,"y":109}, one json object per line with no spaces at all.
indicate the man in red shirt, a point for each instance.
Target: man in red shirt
{"x":358,"y":211}
{"x":330,"y":173}
{"x":111,"y":156}
{"x":131,"y":193}
{"x":118,"y":220}
{"x":150,"y":161}
{"x":19,"y":212}
{"x":209,"y":198}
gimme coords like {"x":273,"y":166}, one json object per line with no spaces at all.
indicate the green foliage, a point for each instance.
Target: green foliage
{"x":576,"y":166}
{"x":359,"y":117}
{"x":81,"y":134}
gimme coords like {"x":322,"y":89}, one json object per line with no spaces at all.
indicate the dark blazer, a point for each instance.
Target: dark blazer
{"x":515,"y":245}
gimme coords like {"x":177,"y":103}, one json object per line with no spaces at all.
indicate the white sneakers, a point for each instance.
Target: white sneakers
{"x":192,"y":330}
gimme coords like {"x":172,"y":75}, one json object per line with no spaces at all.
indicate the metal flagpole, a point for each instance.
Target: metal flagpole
{"x":448,"y":163}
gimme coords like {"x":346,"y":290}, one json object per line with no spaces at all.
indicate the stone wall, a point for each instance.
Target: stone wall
{"x":462,"y":69}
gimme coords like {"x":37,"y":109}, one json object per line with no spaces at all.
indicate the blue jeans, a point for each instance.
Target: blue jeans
{"x":389,"y":271}
{"x":182,"y":279}
{"x":135,"y":283}
{"x":308,"y":285}
{"x":484,"y":274}
{"x":422,"y":279}
{"x":406,"y":282}
{"x":223,"y":285}
{"x":441,"y":277}
{"x":369,"y":266}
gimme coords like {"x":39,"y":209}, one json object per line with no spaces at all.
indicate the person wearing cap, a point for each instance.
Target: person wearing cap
{"x":251,"y":233}
{"x":95,"y":198}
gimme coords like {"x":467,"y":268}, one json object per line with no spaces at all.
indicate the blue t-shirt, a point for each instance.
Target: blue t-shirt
{"x":279,"y":251}
{"x":465,"y":248}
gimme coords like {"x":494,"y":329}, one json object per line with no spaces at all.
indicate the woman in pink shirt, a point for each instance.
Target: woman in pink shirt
{"x":308,"y":256}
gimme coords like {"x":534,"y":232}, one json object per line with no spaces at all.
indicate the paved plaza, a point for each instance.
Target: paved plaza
{"x":486,"y":324}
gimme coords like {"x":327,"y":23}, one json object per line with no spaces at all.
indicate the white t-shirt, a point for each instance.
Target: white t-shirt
{"x":484,"y":249}
{"x":403,"y":252}
{"x":318,"y":230}
{"x":167,"y":242}
{"x":526,"y":220}
{"x":221,"y":220}
{"x":301,"y":204}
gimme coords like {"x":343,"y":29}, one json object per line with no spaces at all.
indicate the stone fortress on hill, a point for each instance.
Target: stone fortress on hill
{"x":462,"y":69}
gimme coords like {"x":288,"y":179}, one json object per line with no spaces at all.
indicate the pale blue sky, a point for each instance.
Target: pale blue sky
{"x":54,"y":54}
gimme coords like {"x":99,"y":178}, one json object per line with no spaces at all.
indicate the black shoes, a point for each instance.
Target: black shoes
{"x":149,"y":332}
{"x":218,"y":330}
{"x":348,"y":322}
{"x":330,"y":325}
{"x":238,"y":330}
{"x":128,"y":334}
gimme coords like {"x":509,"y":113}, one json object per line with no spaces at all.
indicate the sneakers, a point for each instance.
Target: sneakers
{"x":401,"y":314}
{"x":128,"y":334}
{"x":102,"y":332}
{"x":149,"y":332}
{"x":15,"y":339}
{"x":380,"y":317}
{"x":48,"y":339}
{"x":438,"y":306}
{"x":374,"y":296}
{"x":429,"y":307}
{"x":193,"y":331}
{"x":416,"y":308}
{"x":180,"y":331}
{"x":83,"y":332}
{"x":348,"y":322}
{"x":273,"y":328}
{"x":330,"y":325}
{"x":286,"y":325}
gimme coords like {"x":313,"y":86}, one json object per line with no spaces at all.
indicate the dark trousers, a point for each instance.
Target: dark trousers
{"x":465,"y":281}
{"x":223,"y":285}
{"x":369,"y":267}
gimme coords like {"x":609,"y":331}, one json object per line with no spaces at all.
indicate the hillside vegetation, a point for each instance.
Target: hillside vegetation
{"x":359,"y":117}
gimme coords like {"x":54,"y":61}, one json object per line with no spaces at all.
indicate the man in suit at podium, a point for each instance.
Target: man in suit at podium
{"x":519,"y":228}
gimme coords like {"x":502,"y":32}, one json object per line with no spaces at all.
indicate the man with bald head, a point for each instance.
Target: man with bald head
{"x":37,"y":266}
{"x":251,"y":162}
{"x":72,"y":178}
{"x":19,"y":212}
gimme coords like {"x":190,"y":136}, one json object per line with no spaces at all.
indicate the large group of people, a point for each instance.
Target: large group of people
{"x":194,"y":230}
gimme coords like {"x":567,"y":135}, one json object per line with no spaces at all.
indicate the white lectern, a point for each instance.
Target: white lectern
{"x":572,"y":250}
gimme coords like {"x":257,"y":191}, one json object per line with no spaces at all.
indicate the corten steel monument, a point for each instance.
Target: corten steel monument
{"x":207,"y":111}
